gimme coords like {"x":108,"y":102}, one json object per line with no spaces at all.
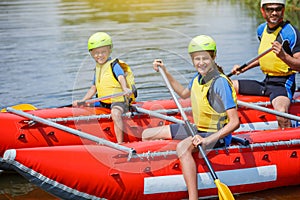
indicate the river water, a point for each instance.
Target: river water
{"x":45,"y":62}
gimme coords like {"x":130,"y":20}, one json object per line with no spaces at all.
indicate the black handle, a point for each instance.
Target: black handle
{"x":239,"y":69}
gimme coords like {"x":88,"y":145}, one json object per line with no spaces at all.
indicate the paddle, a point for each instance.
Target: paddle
{"x":251,"y":61}
{"x":23,"y":106}
{"x":96,"y":99}
{"x":223,"y":190}
{"x":72,"y":131}
{"x":32,"y":107}
{"x":102,"y":98}
{"x":267,"y":110}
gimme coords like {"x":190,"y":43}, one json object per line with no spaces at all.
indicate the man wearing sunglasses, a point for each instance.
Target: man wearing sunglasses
{"x":280,"y":65}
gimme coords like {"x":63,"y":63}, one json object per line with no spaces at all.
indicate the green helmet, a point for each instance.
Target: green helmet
{"x":99,"y":39}
{"x":202,"y":43}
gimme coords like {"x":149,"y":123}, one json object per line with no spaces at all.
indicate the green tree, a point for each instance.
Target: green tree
{"x":292,"y":11}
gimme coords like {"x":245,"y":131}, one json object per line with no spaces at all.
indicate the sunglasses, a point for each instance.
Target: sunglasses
{"x":272,"y":9}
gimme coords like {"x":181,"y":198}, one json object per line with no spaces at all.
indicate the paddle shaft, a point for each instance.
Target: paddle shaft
{"x":70,"y":130}
{"x":189,"y":126}
{"x":96,"y":99}
{"x":102,"y":98}
{"x":251,"y":61}
{"x":267,"y":110}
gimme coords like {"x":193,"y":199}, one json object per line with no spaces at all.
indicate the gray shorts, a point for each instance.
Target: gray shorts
{"x":179,"y":132}
{"x":123,"y":105}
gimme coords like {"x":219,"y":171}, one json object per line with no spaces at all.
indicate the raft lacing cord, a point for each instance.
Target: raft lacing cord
{"x":81,"y":134}
{"x":151,"y":155}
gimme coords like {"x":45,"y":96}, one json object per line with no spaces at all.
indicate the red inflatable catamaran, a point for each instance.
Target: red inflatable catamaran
{"x":70,"y":152}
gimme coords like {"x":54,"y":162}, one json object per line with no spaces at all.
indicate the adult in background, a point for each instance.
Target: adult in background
{"x":280,"y":65}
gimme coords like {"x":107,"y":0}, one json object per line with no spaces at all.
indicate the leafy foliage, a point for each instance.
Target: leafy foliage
{"x":292,"y":11}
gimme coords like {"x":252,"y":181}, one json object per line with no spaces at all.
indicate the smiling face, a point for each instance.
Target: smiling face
{"x":101,"y":54}
{"x":273,"y":14}
{"x":203,"y":61}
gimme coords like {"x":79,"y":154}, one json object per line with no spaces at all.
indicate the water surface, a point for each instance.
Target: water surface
{"x":45,"y":62}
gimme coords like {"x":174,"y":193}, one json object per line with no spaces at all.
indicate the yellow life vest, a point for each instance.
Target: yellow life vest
{"x":205,"y":117}
{"x":270,"y":64}
{"x":107,"y":83}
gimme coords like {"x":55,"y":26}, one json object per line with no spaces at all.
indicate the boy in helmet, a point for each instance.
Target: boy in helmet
{"x":280,"y":65}
{"x":213,"y":102}
{"x":109,"y":79}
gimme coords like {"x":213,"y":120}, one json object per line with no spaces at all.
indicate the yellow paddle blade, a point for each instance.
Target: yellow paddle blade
{"x":223,"y":190}
{"x":22,"y":107}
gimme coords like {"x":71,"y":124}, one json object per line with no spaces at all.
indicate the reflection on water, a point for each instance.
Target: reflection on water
{"x":43,"y":45}
{"x":120,"y":11}
{"x":15,"y":187}
{"x":45,"y":62}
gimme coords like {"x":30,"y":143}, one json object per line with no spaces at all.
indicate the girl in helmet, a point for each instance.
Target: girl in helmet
{"x":214,"y":105}
{"x":109,"y":79}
